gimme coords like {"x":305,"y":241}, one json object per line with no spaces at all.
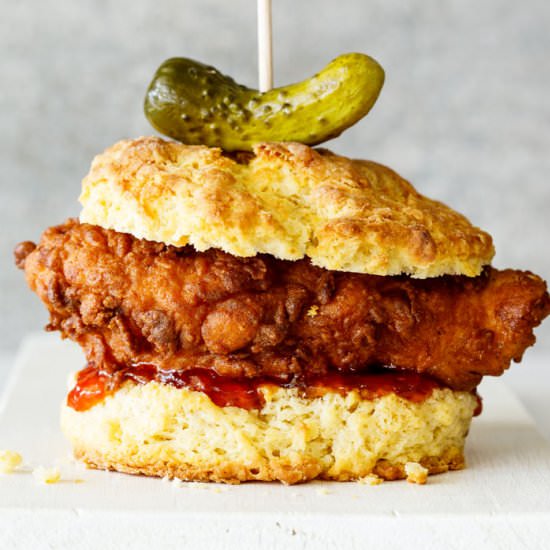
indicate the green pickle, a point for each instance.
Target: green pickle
{"x":196,"y":104}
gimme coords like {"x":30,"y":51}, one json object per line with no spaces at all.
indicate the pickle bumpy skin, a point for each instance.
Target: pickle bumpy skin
{"x":196,"y":104}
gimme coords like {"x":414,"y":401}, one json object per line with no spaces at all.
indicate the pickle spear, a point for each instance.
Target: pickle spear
{"x":196,"y":104}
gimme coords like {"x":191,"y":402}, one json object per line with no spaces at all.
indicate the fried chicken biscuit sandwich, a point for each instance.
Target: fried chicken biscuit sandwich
{"x":284,"y":314}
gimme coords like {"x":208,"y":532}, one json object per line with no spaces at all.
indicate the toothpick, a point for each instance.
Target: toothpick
{"x":265,"y":56}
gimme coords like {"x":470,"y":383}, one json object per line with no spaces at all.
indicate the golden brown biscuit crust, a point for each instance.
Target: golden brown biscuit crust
{"x":284,"y":471}
{"x":285,"y":199}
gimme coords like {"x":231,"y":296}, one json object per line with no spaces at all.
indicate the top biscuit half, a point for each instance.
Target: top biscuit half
{"x":285,"y":199}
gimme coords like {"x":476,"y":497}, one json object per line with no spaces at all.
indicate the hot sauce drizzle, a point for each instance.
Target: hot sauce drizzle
{"x":93,"y":385}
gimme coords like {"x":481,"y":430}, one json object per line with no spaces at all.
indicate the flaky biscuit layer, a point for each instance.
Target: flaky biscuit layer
{"x":160,"y":430}
{"x":285,"y":199}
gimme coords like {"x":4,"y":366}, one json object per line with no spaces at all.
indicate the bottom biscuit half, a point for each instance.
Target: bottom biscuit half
{"x":159,"y":430}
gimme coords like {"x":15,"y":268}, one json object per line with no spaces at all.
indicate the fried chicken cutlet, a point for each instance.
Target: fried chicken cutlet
{"x":128,"y":301}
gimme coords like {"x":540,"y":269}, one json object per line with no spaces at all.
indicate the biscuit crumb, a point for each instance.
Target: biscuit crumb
{"x":46,"y":475}
{"x":323,"y":491}
{"x":370,"y":479}
{"x":416,"y":473}
{"x":9,"y":461}
{"x":312,"y":311}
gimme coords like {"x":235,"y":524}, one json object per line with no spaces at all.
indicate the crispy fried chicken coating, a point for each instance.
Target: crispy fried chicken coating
{"x":127,"y":301}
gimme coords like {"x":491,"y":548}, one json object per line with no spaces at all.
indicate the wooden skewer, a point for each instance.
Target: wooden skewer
{"x":265,"y":55}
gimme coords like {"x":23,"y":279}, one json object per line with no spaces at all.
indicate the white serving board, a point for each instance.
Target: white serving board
{"x":501,"y":501}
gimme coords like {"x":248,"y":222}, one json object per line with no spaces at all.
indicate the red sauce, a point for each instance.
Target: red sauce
{"x":407,"y":384}
{"x":92,"y":385}
{"x":479,"y":407}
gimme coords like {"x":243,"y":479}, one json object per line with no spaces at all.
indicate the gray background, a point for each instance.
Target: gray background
{"x":465,"y":112}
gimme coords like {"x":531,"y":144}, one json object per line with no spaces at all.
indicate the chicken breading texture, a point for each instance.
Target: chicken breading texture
{"x":126,"y":301}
